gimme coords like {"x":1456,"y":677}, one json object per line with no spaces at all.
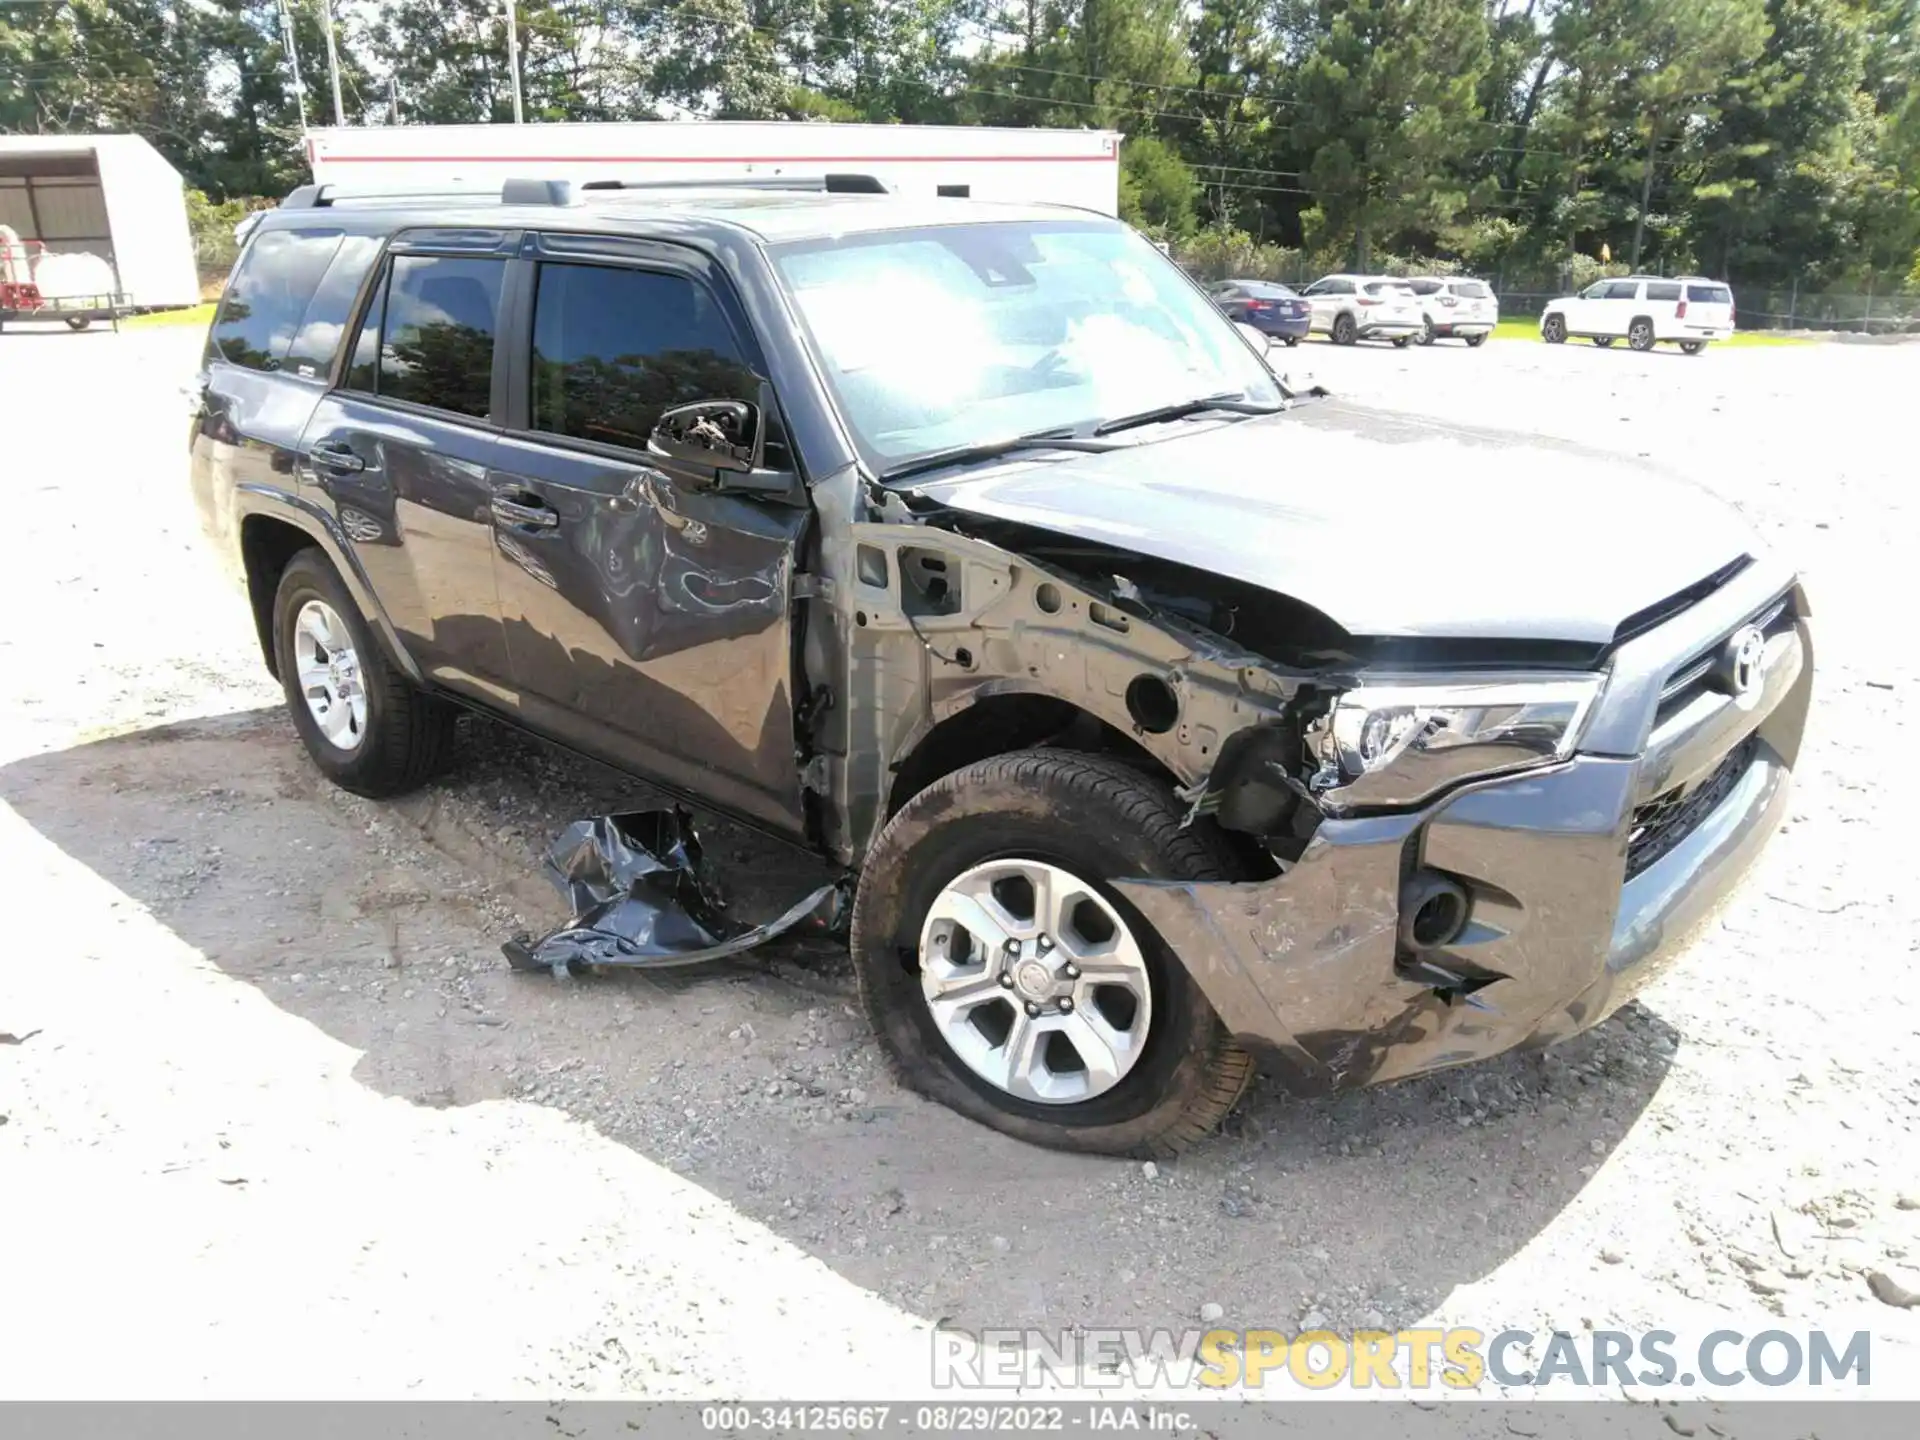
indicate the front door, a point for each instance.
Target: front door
{"x":648,"y":622}
{"x":402,"y":452}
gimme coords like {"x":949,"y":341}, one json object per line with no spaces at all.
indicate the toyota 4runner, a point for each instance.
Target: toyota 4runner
{"x":1166,"y":719}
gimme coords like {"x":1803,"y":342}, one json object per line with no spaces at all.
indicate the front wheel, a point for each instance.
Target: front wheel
{"x":1427,"y":333}
{"x":1474,"y":342}
{"x":365,"y":726}
{"x":1554,"y":330}
{"x":1692,"y":347}
{"x":1603,"y":341}
{"x":1292,"y":340}
{"x":1400,"y":342}
{"x":1008,"y":981}
{"x":1345,"y":332}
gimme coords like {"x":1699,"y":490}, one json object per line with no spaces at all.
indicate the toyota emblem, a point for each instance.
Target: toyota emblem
{"x":1746,"y":653}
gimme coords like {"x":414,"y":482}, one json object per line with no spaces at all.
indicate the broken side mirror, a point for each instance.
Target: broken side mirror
{"x":708,"y":435}
{"x":718,"y":445}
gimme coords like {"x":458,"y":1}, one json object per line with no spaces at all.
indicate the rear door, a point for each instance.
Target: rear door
{"x":1614,"y":311}
{"x":648,"y":622}
{"x":401,"y":451}
{"x":1707,"y":306}
{"x":1473,"y":303}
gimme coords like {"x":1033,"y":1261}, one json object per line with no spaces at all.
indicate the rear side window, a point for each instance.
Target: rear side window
{"x":1710,"y":294}
{"x":1472,"y":290}
{"x":613,"y":349}
{"x":261,"y":311}
{"x":1424,"y":287}
{"x":1658,"y":291}
{"x":1388,"y":287}
{"x":428,"y":335}
{"x":318,"y":341}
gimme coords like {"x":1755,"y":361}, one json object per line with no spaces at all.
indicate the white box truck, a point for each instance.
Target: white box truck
{"x":114,"y":198}
{"x":1067,"y":167}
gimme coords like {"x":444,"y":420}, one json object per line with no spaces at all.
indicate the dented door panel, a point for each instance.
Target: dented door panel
{"x":649,"y":622}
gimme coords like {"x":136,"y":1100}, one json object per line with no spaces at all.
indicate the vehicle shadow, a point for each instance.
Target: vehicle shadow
{"x":758,"y":1080}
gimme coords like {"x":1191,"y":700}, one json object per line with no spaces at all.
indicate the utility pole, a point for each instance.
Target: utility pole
{"x":513,"y":62}
{"x":333,"y":62}
{"x":293,"y":60}
{"x":393,"y":100}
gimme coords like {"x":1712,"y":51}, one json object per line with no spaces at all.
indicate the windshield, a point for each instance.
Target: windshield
{"x":960,"y":335}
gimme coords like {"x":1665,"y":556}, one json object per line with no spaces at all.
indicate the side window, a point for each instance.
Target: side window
{"x":437,"y":321}
{"x":261,"y":310}
{"x":614,"y":348}
{"x":1339,"y":287}
{"x":318,"y":340}
{"x":1658,"y":291}
{"x":1596,"y":291}
{"x":1623,"y":290}
{"x":363,"y":367}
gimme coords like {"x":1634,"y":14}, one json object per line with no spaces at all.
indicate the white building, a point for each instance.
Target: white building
{"x":113,"y":196}
{"x":1068,"y":167}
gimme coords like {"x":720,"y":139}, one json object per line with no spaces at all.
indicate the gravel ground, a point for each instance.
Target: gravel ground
{"x":280,"y":1122}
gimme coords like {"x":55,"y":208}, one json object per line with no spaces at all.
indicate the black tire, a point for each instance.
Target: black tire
{"x":1605,"y":342}
{"x":1427,"y":333}
{"x":1474,"y":342}
{"x":408,"y":735}
{"x":78,"y":322}
{"x":1345,"y":332}
{"x":1400,"y":342}
{"x":1554,"y":329}
{"x":1692,"y":347}
{"x":1098,"y":817}
{"x":1640,"y":334}
{"x":1292,"y":340}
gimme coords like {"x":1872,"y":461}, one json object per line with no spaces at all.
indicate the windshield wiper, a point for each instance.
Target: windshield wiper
{"x":994,"y":449}
{"x":1231,"y":401}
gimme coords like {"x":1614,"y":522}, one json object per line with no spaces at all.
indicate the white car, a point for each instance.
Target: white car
{"x":1456,"y":305}
{"x":1644,"y":310}
{"x":1347,"y":308}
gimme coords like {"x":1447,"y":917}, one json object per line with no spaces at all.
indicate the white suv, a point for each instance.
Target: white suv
{"x":1455,"y":305}
{"x":1347,"y":308}
{"x":1689,"y":310}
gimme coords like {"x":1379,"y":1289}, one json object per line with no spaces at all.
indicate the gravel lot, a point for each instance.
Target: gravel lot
{"x":279,"y":1122}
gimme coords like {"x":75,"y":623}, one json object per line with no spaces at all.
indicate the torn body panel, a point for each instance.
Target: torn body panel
{"x":640,"y":896}
{"x":935,"y":622}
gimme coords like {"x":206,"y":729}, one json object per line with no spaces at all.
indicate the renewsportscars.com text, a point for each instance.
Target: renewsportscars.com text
{"x":1461,"y":1358}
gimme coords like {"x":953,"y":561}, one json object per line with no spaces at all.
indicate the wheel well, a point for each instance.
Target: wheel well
{"x":267,"y":546}
{"x":1003,"y":723}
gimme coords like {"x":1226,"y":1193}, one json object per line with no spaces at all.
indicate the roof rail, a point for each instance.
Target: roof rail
{"x":322,"y":197}
{"x":567,"y":192}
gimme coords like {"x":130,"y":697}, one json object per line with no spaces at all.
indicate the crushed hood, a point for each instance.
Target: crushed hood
{"x":1390,"y":525}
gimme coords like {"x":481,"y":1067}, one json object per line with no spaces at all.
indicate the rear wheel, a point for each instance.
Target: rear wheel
{"x":1692,"y":347}
{"x":1603,"y":341}
{"x":1292,"y":340}
{"x":1345,"y":332}
{"x":1640,"y":334}
{"x":1400,"y":342}
{"x":1427,"y":333}
{"x":1474,"y":342}
{"x":1554,"y":330}
{"x":1008,"y":981}
{"x":78,"y":322}
{"x":363,"y":723}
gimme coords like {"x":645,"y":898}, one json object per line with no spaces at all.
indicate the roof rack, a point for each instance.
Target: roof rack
{"x":528,"y":191}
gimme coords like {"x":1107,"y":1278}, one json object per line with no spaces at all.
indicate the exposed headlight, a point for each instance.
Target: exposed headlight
{"x":1398,"y":743}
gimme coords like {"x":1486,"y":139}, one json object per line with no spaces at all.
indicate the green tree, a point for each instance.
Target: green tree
{"x":1157,"y":189}
{"x":1387,"y":108}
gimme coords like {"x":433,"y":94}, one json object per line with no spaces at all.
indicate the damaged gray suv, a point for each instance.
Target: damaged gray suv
{"x":1165,"y":722}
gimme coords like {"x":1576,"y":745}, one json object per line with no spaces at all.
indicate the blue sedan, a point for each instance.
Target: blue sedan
{"x":1268,"y":307}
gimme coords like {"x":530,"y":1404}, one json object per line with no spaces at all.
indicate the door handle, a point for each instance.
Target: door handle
{"x":333,"y":456}
{"x":515,"y":512}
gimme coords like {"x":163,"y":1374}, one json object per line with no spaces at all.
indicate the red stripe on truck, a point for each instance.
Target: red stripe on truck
{"x":705,"y":159}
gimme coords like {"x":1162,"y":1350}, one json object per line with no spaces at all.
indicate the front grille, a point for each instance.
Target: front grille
{"x":1695,"y":674}
{"x":1664,"y":821}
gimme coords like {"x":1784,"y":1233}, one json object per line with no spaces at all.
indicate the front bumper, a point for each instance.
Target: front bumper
{"x":1308,"y":968}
